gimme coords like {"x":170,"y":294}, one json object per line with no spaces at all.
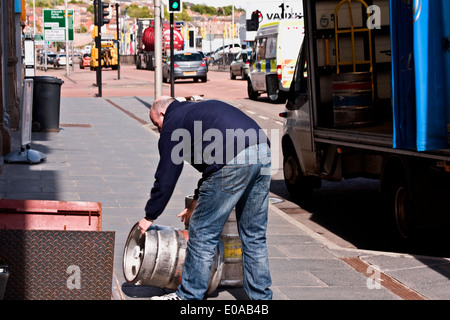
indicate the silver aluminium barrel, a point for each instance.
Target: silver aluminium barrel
{"x":156,"y":258}
{"x":232,"y":275}
{"x":353,"y":99}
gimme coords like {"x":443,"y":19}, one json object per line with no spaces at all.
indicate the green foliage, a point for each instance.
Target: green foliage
{"x":47,"y":4}
{"x":208,"y":10}
{"x":134,"y":11}
{"x":183,"y":16}
{"x":202,"y":9}
{"x":83,"y":29}
{"x":40,"y":4}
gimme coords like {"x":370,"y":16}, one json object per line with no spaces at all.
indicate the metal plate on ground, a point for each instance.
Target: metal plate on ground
{"x":58,"y":265}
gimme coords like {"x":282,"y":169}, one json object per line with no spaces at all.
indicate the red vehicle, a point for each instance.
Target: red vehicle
{"x":145,"y":43}
{"x":85,"y":60}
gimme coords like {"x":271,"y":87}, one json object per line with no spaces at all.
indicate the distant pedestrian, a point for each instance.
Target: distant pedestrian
{"x":233,"y":155}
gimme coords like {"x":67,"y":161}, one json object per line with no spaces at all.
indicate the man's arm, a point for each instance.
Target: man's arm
{"x":166,"y":177}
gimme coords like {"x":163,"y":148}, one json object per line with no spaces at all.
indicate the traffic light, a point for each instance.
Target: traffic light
{"x":253,"y":23}
{"x":104,"y":13}
{"x":175,"y":6}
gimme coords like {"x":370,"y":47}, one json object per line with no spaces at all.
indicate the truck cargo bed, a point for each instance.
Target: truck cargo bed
{"x":374,"y":138}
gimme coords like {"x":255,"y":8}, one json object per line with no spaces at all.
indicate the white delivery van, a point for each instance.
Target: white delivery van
{"x":275,"y":53}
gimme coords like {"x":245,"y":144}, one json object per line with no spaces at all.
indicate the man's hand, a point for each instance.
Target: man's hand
{"x":186,"y":214}
{"x":144,"y":224}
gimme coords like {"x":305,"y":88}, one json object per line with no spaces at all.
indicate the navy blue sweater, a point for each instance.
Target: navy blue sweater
{"x":206,"y":134}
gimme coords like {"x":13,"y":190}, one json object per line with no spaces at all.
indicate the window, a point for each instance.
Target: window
{"x":261,"y":49}
{"x":301,"y":73}
{"x":188,"y":57}
{"x":271,"y":48}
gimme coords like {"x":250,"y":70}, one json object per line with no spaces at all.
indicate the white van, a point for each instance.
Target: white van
{"x":275,"y":53}
{"x":219,"y":52}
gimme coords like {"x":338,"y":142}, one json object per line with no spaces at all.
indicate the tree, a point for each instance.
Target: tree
{"x":83,"y":29}
{"x":202,"y":9}
{"x":134,"y":11}
{"x":183,"y":16}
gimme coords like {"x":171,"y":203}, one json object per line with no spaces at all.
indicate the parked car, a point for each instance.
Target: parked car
{"x":85,"y":61}
{"x":50,"y":58}
{"x":208,"y":58}
{"x":229,"y":48}
{"x":205,"y":58}
{"x":241,"y":65}
{"x":186,"y":65}
{"x":61,"y":60}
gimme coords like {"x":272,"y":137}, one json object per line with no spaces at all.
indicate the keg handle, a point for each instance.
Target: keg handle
{"x":137,"y":252}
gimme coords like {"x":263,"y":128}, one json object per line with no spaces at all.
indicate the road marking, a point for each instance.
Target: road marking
{"x":252,"y":112}
{"x":262,"y":117}
{"x":279,"y":122}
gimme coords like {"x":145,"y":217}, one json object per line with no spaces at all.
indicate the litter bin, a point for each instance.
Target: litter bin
{"x":4,"y":275}
{"x":46,"y":103}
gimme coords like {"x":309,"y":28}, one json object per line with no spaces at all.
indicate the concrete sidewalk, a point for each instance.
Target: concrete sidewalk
{"x":106,"y":151}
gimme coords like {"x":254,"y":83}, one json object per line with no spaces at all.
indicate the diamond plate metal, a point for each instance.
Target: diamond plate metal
{"x":58,"y":265}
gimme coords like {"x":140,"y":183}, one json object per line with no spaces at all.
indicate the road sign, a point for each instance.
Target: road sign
{"x":39,"y":39}
{"x":55,"y":25}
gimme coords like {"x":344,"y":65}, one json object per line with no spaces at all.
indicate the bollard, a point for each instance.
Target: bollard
{"x":156,"y":258}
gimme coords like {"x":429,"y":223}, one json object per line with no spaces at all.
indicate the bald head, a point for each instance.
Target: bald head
{"x":158,"y":110}
{"x":162,"y":103}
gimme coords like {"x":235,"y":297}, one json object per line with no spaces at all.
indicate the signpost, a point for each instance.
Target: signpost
{"x":175,"y":6}
{"x":55,"y":25}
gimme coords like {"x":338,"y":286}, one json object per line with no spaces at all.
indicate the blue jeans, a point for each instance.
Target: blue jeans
{"x":243,"y":184}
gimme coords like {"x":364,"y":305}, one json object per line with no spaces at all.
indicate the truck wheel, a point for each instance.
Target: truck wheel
{"x":398,"y":200}
{"x":252,"y":94}
{"x":298,"y":185}
{"x":276,"y":98}
{"x":401,"y":209}
{"x":244,"y":75}
{"x":232,"y":76}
